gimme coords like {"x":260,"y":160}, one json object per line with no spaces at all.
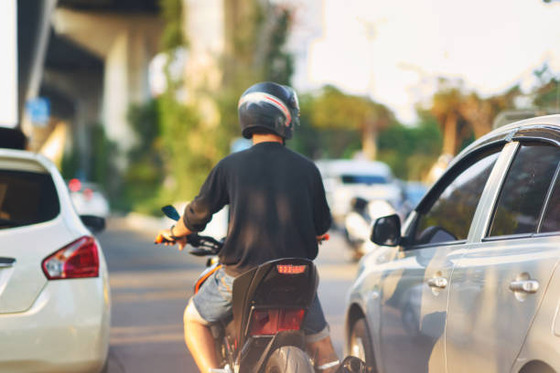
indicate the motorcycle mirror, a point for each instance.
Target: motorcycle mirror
{"x":171,"y":212}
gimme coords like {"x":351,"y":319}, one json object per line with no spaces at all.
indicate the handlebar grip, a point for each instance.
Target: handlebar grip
{"x":324,"y":237}
{"x":160,"y":239}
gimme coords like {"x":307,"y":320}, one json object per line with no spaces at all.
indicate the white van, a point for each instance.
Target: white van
{"x":345,"y":179}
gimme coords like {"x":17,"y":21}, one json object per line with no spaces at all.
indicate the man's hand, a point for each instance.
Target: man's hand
{"x":168,"y":239}
{"x":177,"y":234}
{"x":322,"y":238}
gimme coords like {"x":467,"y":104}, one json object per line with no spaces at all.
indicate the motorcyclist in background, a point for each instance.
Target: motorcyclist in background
{"x":277,"y":209}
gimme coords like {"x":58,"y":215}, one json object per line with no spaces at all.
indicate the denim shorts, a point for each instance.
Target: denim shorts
{"x":214,"y":298}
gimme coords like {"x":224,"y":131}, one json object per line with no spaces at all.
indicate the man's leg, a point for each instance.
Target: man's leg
{"x":210,"y":304}
{"x":324,"y":355}
{"x":199,"y":341}
{"x":318,"y":341}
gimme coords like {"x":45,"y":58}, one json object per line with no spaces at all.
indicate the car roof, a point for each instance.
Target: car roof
{"x":545,"y":120}
{"x":27,"y":160}
{"x":545,"y":127}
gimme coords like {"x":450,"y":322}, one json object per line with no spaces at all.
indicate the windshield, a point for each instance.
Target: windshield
{"x":26,"y":198}
{"x":363,"y":179}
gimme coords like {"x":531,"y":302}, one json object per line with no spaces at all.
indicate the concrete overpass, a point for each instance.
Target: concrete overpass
{"x":90,"y":59}
{"x":124,"y":36}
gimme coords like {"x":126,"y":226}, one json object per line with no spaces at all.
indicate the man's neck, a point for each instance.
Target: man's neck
{"x":266,"y":137}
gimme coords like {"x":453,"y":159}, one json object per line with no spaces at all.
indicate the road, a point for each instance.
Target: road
{"x":151,"y":284}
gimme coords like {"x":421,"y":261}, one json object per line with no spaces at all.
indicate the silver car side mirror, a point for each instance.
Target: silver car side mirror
{"x":387,"y":231}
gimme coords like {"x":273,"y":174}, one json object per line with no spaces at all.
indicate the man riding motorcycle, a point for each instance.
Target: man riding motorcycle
{"x":277,"y":209}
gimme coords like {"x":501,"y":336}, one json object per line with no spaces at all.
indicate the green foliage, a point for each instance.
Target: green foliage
{"x":187,"y":147}
{"x":278,"y":64}
{"x":257,"y":32}
{"x":103,"y":168}
{"x":316,"y":142}
{"x":333,"y":108}
{"x":547,"y":93}
{"x":172,"y":14}
{"x":411,"y":151}
{"x":70,"y":163}
{"x":145,"y":173}
{"x":244,"y":20}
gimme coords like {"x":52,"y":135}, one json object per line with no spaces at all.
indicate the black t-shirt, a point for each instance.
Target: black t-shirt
{"x":277,"y":206}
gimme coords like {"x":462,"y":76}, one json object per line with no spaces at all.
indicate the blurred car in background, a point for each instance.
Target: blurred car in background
{"x":345,"y":180}
{"x":88,"y":198}
{"x":54,"y":287}
{"x":471,"y":283}
{"x":414,"y":191}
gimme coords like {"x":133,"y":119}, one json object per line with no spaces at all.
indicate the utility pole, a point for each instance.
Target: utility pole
{"x":369,"y":141}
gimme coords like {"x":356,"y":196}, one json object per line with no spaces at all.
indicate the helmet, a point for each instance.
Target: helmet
{"x":268,"y":107}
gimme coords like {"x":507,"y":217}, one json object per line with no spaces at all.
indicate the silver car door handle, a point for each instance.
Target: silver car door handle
{"x":6,"y":262}
{"x":437,"y":282}
{"x":524,"y":286}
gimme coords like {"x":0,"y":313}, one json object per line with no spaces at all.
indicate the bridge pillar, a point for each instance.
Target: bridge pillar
{"x":127,"y":43}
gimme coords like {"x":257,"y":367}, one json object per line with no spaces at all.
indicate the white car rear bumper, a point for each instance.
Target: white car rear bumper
{"x":66,"y":330}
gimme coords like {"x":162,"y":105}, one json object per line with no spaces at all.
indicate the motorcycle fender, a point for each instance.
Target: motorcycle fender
{"x":286,"y":338}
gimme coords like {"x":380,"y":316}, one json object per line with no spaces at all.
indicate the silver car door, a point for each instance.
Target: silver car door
{"x":497,"y":286}
{"x":414,"y":285}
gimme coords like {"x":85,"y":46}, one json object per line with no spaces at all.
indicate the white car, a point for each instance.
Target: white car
{"x":54,"y":286}
{"x":88,"y":199}
{"x":345,"y":179}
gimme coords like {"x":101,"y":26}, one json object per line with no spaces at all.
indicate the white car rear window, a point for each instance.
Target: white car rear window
{"x":26,"y":198}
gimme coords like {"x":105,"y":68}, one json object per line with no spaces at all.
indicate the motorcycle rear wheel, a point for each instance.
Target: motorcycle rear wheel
{"x":288,"y":359}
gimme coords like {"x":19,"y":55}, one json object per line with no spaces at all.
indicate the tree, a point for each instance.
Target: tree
{"x":333,"y":109}
{"x":410,"y":151}
{"x":466,"y":116}
{"x":447,"y":108}
{"x":547,"y":92}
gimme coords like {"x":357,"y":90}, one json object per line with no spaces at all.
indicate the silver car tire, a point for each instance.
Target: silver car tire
{"x":360,"y":344}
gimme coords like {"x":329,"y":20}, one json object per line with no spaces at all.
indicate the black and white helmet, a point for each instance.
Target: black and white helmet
{"x":268,"y":107}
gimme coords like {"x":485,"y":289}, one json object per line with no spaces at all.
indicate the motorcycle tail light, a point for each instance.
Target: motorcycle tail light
{"x":272,"y":321}
{"x":80,"y":259}
{"x":289,"y":269}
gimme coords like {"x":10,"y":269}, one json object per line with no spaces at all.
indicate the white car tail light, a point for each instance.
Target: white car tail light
{"x":77,"y":260}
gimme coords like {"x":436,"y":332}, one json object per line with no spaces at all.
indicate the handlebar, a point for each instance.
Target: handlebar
{"x":202,"y":245}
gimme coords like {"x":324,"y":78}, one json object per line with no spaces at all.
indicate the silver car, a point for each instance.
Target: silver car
{"x":471,"y":282}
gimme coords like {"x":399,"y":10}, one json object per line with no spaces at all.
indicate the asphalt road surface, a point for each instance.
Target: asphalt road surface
{"x":150,"y":286}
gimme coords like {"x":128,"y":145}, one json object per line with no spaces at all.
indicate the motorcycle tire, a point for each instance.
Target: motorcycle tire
{"x":289,"y":359}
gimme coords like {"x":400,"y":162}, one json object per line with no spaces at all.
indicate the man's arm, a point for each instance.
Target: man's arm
{"x":211,"y":198}
{"x":177,"y":234}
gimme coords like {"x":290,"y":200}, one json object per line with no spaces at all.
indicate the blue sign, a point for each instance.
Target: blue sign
{"x":39,"y":110}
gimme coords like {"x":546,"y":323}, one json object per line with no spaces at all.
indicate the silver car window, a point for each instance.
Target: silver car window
{"x":449,"y":217}
{"x":524,"y":190}
{"x":551,"y":219}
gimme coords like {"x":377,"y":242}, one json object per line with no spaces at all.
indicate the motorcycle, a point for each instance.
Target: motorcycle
{"x":358,"y":223}
{"x":269,"y":305}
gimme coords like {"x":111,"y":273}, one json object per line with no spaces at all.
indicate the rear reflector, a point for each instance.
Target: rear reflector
{"x":270,"y":322}
{"x":79,"y":259}
{"x":288,"y":269}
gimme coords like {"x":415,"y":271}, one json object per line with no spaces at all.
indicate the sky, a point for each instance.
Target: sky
{"x":395,"y":50}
